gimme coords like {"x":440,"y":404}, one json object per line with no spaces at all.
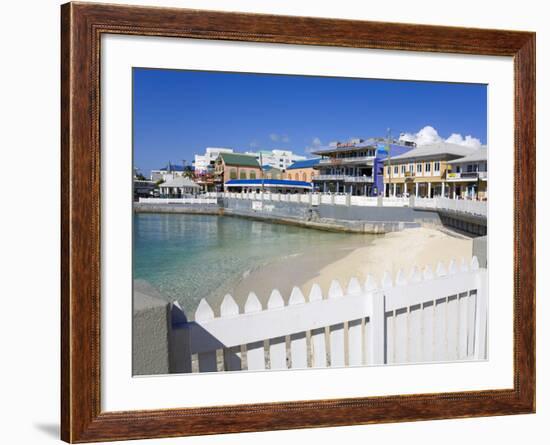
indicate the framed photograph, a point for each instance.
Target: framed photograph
{"x":274,"y":222}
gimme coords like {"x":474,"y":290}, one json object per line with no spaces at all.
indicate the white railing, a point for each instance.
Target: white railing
{"x":178,"y":200}
{"x":467,"y":206}
{"x":462,"y":205}
{"x":340,"y":199}
{"x":424,"y":317}
{"x":425,"y":203}
{"x":368,"y":201}
{"x":345,"y":178}
{"x":394,"y":201}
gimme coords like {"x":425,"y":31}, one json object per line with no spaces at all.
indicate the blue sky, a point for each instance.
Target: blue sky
{"x":179,"y":113}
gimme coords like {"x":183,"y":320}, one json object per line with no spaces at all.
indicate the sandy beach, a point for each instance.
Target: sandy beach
{"x":391,"y":252}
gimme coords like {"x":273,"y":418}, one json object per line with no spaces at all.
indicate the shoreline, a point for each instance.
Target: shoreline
{"x":356,"y":255}
{"x":419,"y":247}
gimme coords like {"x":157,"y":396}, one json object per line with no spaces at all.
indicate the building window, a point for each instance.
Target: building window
{"x":303,"y":176}
{"x":402,"y":169}
{"x":418,"y":168}
{"x":411,"y":168}
{"x":233,"y":173}
{"x":427,"y":167}
{"x":243,"y":175}
{"x":458,"y":168}
{"x":387,"y":171}
{"x":436,"y":166}
{"x":252,"y":175}
{"x":395,"y":170}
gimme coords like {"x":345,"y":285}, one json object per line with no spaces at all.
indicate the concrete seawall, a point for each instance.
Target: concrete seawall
{"x":342,"y":218}
{"x":201,"y":209}
{"x":331,"y":217}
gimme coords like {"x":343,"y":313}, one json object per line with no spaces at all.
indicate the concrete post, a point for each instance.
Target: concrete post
{"x":151,"y":333}
{"x":429,"y":189}
{"x":394,"y":189}
{"x":416,"y":189}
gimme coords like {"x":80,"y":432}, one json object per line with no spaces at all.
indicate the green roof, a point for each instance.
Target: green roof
{"x":239,"y":159}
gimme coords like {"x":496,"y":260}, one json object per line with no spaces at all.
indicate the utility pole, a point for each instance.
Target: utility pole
{"x":388,"y":152}
{"x":262,"y":171}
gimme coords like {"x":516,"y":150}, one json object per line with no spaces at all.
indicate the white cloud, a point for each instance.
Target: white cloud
{"x":276,"y":137}
{"x":429,"y":135}
{"x":467,"y":141}
{"x":315,"y":143}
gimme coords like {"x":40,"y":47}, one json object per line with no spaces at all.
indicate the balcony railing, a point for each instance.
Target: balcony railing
{"x":345,"y":178}
{"x":466,"y":175}
{"x":350,"y":160}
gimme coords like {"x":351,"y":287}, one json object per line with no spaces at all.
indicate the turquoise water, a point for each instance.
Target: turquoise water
{"x":188,"y":257}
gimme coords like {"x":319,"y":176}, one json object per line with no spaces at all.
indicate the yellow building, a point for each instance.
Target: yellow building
{"x":302,"y":170}
{"x":423,"y":171}
{"x":467,"y":176}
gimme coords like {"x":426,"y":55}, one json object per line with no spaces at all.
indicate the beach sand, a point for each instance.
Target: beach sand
{"x":389,"y":252}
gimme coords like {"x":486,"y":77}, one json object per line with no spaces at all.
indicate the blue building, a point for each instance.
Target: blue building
{"x":268,"y":185}
{"x":355,"y":167}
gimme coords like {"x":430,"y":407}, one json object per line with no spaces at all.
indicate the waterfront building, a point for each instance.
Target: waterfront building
{"x":354,"y":167}
{"x":178,"y":187}
{"x":467,"y":176}
{"x":143,"y":188}
{"x":267,"y":185}
{"x":167,"y":173}
{"x":269,"y":172}
{"x":206,"y":181}
{"x":235,"y":166}
{"x":280,"y":159}
{"x":302,"y":170}
{"x":205,"y":163}
{"x":423,"y":170}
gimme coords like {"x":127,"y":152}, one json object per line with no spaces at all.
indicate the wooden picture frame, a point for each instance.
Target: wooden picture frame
{"x":82,"y":25}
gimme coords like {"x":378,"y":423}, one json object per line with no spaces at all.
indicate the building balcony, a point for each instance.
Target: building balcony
{"x":466,"y":176}
{"x":345,"y":161}
{"x":344,"y":178}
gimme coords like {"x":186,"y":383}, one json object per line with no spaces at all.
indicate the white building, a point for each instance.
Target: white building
{"x":207,"y":160}
{"x":167,"y":173}
{"x":280,"y":159}
{"x":178,"y":187}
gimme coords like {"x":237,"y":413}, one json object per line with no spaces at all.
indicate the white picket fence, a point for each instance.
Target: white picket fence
{"x":201,"y":200}
{"x":424,"y":317}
